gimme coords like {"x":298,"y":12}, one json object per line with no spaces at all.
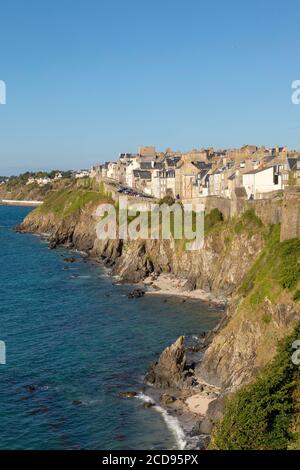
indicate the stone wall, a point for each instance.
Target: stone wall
{"x":290,"y":227}
{"x":268,"y":210}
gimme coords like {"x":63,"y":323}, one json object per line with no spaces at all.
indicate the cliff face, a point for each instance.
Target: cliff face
{"x":218,"y":268}
{"x":257,"y":317}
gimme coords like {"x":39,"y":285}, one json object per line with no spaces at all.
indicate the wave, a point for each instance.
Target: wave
{"x":171,"y":422}
{"x":80,"y":277}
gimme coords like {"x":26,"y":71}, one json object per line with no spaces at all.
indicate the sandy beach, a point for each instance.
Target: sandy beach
{"x":167,"y":285}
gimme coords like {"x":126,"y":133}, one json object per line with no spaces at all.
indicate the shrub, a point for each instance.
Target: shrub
{"x":213,"y":218}
{"x":168,"y":199}
{"x":260,"y":415}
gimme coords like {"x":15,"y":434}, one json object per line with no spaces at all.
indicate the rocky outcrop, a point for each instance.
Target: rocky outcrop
{"x":246,"y":342}
{"x":170,"y":371}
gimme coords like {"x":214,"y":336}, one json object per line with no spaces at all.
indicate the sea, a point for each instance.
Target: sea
{"x":75,"y":341}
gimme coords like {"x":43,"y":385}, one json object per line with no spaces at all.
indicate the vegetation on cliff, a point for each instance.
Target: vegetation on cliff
{"x":17,"y":187}
{"x":276,"y":268}
{"x":72,"y":197}
{"x":68,"y":201}
{"x":264,"y":415}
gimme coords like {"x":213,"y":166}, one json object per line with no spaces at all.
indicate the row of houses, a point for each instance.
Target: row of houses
{"x":250,"y":172}
{"x":43,"y":180}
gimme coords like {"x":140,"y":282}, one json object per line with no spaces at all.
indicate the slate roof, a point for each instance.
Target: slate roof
{"x":146,"y":165}
{"x":144,"y":174}
{"x":292,"y":162}
{"x":202,"y":165}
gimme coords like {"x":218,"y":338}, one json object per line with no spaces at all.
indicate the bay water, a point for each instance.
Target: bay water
{"x":74,"y":341}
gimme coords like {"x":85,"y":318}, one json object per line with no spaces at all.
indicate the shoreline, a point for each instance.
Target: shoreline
{"x":13,"y":202}
{"x":184,"y":415}
{"x":170,"y":285}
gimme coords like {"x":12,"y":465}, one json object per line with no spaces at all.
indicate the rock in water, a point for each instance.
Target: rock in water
{"x":77,"y":402}
{"x":148,"y":404}
{"x":170,"y":370}
{"x":129,"y":394}
{"x":136,"y":293}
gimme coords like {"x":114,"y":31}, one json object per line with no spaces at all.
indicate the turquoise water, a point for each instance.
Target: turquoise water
{"x":72,"y":335}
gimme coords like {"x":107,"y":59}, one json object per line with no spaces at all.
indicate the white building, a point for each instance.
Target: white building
{"x":132,"y":165}
{"x":262,"y":180}
{"x":111,"y":170}
{"x":82,"y":174}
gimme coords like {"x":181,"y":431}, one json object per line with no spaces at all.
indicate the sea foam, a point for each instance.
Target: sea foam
{"x":171,"y":422}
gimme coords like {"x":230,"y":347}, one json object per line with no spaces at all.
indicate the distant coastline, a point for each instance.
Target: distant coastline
{"x":13,"y":202}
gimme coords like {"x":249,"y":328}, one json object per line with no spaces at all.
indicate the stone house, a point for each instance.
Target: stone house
{"x":142,"y":181}
{"x":163,"y":183}
{"x":186,"y":177}
{"x":292,"y":174}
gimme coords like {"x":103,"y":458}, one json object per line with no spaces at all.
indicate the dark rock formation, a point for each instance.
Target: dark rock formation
{"x":170,"y":371}
{"x":213,"y":415}
{"x":136,"y":294}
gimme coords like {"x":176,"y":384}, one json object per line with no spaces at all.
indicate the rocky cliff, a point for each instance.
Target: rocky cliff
{"x":242,"y":260}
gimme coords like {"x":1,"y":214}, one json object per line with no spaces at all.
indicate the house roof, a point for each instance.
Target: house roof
{"x":292,"y":162}
{"x":158,"y":165}
{"x":144,"y":174}
{"x":202,"y":174}
{"x":202,"y":165}
{"x":146,"y":165}
{"x":172,"y":161}
{"x":259,"y":170}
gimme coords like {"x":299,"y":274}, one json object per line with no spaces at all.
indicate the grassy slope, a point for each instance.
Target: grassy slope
{"x":71,"y":199}
{"x":263,"y":415}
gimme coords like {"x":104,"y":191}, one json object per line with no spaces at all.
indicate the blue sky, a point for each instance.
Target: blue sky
{"x":87,"y":79}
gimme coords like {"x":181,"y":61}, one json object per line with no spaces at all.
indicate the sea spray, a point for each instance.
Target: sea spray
{"x":171,"y":422}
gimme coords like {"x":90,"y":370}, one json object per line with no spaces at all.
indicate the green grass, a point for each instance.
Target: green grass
{"x":213,"y":218}
{"x":68,"y":201}
{"x":276,"y":268}
{"x":248,"y":222}
{"x":296,"y":297}
{"x":260,"y":415}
